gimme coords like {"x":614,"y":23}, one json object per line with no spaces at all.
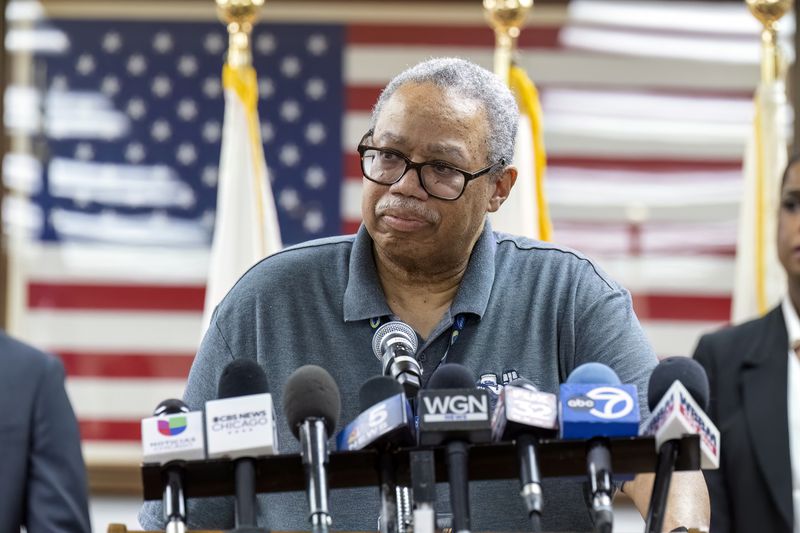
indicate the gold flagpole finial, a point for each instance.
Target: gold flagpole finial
{"x":769,"y":12}
{"x":239,"y":16}
{"x":506,"y":17}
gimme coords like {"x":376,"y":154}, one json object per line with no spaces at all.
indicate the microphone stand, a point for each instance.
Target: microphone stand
{"x":530,"y":479}
{"x":667,"y":455}
{"x":174,"y":501}
{"x":314,"y":446}
{"x":389,"y":496}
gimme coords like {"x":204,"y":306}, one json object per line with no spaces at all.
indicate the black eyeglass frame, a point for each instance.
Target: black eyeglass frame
{"x":468,"y":176}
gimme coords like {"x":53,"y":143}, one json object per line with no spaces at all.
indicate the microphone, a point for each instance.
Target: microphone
{"x":173,"y":435}
{"x":311,"y":404}
{"x":395,"y":344}
{"x":678,"y":395}
{"x":385,"y":424}
{"x":240,"y":425}
{"x":525,"y":414}
{"x":594,"y":405}
{"x":453,"y":412}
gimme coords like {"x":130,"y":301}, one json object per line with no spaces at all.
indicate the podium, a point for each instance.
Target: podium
{"x":282,"y":473}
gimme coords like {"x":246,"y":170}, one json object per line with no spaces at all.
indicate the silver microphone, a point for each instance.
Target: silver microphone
{"x":395,"y":345}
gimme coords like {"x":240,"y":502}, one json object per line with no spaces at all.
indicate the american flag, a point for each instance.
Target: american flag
{"x":644,"y":173}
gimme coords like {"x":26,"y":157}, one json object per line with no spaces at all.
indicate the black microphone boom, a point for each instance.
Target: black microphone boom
{"x":243,"y":377}
{"x":372,"y":392}
{"x":311,"y":404}
{"x":524,"y":414}
{"x":692,"y":376}
{"x":174,"y":500}
{"x":454,"y":412}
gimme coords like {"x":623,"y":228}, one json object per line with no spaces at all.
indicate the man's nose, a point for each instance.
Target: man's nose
{"x":410,"y":184}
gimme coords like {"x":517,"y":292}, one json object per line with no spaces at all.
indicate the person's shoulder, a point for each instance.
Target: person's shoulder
{"x":316,"y":262}
{"x":551,"y":256}
{"x":21,"y":360}
{"x":736,"y":334}
{"x":298,"y":259}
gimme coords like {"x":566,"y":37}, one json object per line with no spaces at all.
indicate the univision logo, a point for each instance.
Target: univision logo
{"x":172,"y":426}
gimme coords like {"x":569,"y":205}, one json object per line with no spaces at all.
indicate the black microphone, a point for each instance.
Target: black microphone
{"x":380,"y":393}
{"x":525,"y":414}
{"x":454,"y":412}
{"x":594,"y":405}
{"x":395,"y":344}
{"x":311,"y":404}
{"x":244,"y":377}
{"x":677,"y":395}
{"x":174,"y":499}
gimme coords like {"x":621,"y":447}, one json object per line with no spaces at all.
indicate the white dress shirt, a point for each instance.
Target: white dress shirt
{"x":793,"y":397}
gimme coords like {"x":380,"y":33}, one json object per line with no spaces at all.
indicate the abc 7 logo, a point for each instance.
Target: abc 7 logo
{"x":613,"y":403}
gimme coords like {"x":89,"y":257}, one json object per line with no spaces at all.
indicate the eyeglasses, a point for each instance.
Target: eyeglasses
{"x":440,"y":180}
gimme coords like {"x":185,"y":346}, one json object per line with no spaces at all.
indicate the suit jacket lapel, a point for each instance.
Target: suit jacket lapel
{"x":763,"y":390}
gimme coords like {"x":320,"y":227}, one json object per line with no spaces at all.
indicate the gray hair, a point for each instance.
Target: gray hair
{"x":470,"y":81}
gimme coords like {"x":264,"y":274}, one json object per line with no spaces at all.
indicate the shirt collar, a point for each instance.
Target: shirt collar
{"x":364,"y":298}
{"x":792,"y":322}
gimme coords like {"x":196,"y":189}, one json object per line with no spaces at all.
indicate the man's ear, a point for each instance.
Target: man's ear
{"x":502,"y":188}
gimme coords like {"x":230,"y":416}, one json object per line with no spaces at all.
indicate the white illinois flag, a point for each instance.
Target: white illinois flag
{"x":246,"y":227}
{"x":525,"y":210}
{"x":760,"y":281}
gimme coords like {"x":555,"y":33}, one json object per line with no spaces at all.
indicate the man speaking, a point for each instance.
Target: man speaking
{"x":435,"y":161}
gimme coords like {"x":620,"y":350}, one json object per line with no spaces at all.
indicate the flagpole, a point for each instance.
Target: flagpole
{"x":239,"y":16}
{"x":506,"y":17}
{"x":246,"y":227}
{"x":768,"y":13}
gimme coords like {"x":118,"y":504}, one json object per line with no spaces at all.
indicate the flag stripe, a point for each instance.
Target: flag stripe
{"x":434,"y":35}
{"x":116,"y":297}
{"x":684,"y":307}
{"x":653,"y":306}
{"x":110,"y":430}
{"x":126,"y":365}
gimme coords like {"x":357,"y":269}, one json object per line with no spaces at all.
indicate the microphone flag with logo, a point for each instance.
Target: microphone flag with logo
{"x":525,"y":415}
{"x":173,"y":435}
{"x":241,"y":425}
{"x":454,"y":412}
{"x":677,"y":395}
{"x":594,"y":405}
{"x":385,"y":424}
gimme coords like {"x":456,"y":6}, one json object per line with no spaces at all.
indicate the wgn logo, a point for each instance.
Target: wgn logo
{"x":464,"y":407}
{"x":604,"y":402}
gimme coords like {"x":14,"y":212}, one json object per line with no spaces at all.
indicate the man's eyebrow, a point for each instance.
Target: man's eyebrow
{"x":433,"y":148}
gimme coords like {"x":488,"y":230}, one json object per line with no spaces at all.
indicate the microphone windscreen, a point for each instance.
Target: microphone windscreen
{"x":451,"y":376}
{"x":689,"y":372}
{"x":377,"y":389}
{"x":170,"y":406}
{"x":523,"y":383}
{"x":593,"y":374}
{"x":311,"y":392}
{"x":242,"y":377}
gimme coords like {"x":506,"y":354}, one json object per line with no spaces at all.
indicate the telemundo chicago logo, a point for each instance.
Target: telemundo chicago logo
{"x":173,"y":426}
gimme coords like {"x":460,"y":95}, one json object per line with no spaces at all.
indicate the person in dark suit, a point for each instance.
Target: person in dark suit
{"x":42,"y":476}
{"x":754,"y":372}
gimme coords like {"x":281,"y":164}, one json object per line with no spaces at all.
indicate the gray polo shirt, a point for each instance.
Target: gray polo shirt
{"x":528,"y":309}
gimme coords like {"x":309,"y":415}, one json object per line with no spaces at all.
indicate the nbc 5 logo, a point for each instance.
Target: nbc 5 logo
{"x":378,"y":415}
{"x":610,"y":402}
